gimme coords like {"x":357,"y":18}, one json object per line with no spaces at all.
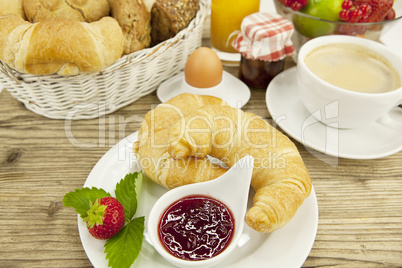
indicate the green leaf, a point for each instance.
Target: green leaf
{"x":127,"y":192}
{"x":122,"y":249}
{"x":81,"y":199}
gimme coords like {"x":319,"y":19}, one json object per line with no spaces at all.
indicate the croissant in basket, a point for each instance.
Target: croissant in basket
{"x":152,"y":145}
{"x":65,"y":47}
{"x":280,"y":178}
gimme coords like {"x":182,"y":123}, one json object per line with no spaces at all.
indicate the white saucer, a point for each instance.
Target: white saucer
{"x":369,"y":142}
{"x":230,"y":89}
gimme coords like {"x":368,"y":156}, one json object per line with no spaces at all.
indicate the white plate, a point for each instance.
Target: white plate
{"x":369,"y":142}
{"x":286,"y":247}
{"x":231,"y":89}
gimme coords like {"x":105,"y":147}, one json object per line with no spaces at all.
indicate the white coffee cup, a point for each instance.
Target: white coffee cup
{"x":343,"y":108}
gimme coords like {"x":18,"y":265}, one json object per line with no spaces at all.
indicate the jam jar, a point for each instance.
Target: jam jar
{"x":264,"y":43}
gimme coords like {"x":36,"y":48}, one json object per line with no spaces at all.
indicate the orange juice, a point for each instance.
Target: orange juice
{"x":226,"y":17}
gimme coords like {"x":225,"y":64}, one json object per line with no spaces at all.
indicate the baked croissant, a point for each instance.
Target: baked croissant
{"x":65,"y":47}
{"x":280,"y":178}
{"x":152,"y":145}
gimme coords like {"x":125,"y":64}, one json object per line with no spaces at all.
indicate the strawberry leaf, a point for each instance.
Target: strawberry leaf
{"x":81,"y":199}
{"x":122,"y":249}
{"x":127,"y":192}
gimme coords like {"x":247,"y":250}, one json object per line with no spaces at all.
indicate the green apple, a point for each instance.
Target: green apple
{"x":322,"y":9}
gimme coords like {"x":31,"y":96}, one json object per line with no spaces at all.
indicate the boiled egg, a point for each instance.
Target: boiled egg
{"x":203,"y":68}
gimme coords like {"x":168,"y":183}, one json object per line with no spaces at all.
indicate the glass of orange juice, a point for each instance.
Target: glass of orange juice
{"x":226,"y":18}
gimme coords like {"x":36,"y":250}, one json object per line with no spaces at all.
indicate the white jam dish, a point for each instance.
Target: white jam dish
{"x":231,"y":189}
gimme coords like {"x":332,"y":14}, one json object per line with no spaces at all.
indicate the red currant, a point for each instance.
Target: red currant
{"x":347,"y":4}
{"x":296,"y":6}
{"x":365,"y":8}
{"x":344,"y":15}
{"x":287,"y":3}
{"x":390,"y":15}
{"x":364,"y":18}
{"x":355,"y":15}
{"x":303,"y":2}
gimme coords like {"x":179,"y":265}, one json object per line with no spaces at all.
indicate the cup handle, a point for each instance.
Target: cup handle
{"x":393,"y":119}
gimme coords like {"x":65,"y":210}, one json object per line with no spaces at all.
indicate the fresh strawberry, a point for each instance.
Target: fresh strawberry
{"x":105,"y":218}
{"x":366,"y":10}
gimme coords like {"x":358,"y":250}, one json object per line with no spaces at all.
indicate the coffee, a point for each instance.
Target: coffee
{"x":353,"y":67}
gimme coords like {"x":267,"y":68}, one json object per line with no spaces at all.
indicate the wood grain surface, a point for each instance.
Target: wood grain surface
{"x":41,"y":159}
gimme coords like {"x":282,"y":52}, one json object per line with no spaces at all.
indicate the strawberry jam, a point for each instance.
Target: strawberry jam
{"x":196,"y":228}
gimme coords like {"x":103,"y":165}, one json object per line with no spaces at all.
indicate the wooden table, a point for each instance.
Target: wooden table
{"x":360,"y":201}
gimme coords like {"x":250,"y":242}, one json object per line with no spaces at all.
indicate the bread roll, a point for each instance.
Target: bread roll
{"x":79,"y":10}
{"x":135,"y":21}
{"x":280,"y":178}
{"x":12,"y":7}
{"x":168,"y":17}
{"x":65,"y":47}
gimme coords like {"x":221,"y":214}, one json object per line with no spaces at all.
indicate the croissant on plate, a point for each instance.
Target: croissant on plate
{"x":152,"y":145}
{"x":280,"y":178}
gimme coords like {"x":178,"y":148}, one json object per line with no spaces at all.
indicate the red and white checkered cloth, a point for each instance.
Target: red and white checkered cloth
{"x":265,"y":36}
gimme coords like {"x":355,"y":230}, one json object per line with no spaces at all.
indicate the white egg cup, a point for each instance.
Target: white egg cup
{"x":232,"y":189}
{"x":230,"y":89}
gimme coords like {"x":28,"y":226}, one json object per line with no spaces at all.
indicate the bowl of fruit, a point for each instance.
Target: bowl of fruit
{"x":363,"y":18}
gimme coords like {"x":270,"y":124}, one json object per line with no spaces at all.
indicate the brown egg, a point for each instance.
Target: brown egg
{"x":203,"y":68}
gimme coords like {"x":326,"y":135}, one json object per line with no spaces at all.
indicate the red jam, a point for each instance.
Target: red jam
{"x":196,"y":228}
{"x":258,"y":73}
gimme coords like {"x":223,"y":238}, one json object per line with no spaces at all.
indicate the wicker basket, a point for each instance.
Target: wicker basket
{"x":88,"y":96}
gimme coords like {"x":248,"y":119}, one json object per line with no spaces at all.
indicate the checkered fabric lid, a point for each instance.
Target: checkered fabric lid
{"x":265,"y":36}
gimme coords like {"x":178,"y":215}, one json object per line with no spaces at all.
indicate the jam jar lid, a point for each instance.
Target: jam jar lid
{"x":265,"y":36}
